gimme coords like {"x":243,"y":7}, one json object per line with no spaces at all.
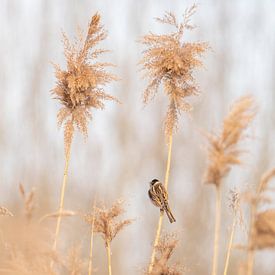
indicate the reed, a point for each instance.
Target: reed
{"x":223,"y":153}
{"x":79,"y":89}
{"x":170,"y":61}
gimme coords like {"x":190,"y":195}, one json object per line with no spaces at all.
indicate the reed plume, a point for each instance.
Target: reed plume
{"x":223,"y":153}
{"x":262,"y":224}
{"x":165,"y":250}
{"x":105,"y":223}
{"x":170,"y":61}
{"x":79,"y":88}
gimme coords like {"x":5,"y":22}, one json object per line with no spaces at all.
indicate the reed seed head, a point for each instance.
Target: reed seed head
{"x":265,"y":230}
{"x":105,"y":220}
{"x":80,"y":87}
{"x":170,"y":61}
{"x":223,"y":151}
{"x":165,"y":250}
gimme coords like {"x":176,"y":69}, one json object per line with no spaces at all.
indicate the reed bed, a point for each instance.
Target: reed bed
{"x":31,"y":240}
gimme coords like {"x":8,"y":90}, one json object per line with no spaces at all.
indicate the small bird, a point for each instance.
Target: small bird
{"x":159,"y":197}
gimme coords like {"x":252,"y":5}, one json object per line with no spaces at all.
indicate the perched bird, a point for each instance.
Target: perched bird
{"x":159,"y":197}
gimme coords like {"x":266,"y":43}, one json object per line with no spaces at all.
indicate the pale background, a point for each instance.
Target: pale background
{"x":126,"y":148}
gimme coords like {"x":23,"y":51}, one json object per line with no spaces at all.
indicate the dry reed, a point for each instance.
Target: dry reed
{"x":170,"y":61}
{"x":79,"y":88}
{"x":165,"y":250}
{"x":261,"y":234}
{"x":237,"y":217}
{"x":223,"y":152}
{"x":105,"y":223}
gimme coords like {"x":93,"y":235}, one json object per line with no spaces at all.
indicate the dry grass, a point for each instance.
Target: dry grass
{"x":169,"y":63}
{"x":105,"y":223}
{"x":261,"y":233}
{"x":80,"y":88}
{"x":223,"y":153}
{"x":165,"y":250}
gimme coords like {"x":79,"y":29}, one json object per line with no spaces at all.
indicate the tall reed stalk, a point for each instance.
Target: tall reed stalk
{"x":90,"y":267}
{"x":223,"y":153}
{"x":79,"y":88}
{"x":237,"y":216}
{"x":169,"y":61}
{"x":229,"y":247}
{"x":217,"y":231}
{"x":61,"y":199}
{"x":167,"y":173}
{"x":108,"y":250}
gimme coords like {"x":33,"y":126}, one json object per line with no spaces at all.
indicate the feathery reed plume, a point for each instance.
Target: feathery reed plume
{"x":165,"y":250}
{"x":28,"y":199}
{"x":170,"y":61}
{"x":5,"y":211}
{"x":262,"y":225}
{"x":237,"y":216}
{"x":79,"y":88}
{"x":223,"y":152}
{"x":105,"y":223}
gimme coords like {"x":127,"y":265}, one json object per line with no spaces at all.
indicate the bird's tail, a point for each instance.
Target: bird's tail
{"x":169,"y":213}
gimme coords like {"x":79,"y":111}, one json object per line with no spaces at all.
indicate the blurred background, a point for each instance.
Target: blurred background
{"x":126,"y":146}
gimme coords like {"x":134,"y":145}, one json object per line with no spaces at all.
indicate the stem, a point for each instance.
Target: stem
{"x":161,"y":213}
{"x":230,"y":245}
{"x":250,"y":253}
{"x":62,"y":194}
{"x":108,"y":248}
{"x":217,"y":231}
{"x":91,"y":241}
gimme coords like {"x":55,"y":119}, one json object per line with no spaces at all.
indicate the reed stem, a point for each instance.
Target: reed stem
{"x":217,"y":231}
{"x":90,"y":268}
{"x":62,"y":195}
{"x":250,"y":253}
{"x":229,"y":248}
{"x":168,"y":165}
{"x":108,"y":248}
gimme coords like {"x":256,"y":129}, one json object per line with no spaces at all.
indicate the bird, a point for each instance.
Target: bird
{"x":159,"y":197}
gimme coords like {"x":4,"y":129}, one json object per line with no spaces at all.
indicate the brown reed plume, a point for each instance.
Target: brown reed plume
{"x":165,"y":250}
{"x":106,"y":224}
{"x":223,"y":153}
{"x":262,"y":224}
{"x":80,"y":88}
{"x":170,"y":61}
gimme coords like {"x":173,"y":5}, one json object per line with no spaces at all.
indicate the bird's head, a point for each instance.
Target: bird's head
{"x":153,"y":182}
